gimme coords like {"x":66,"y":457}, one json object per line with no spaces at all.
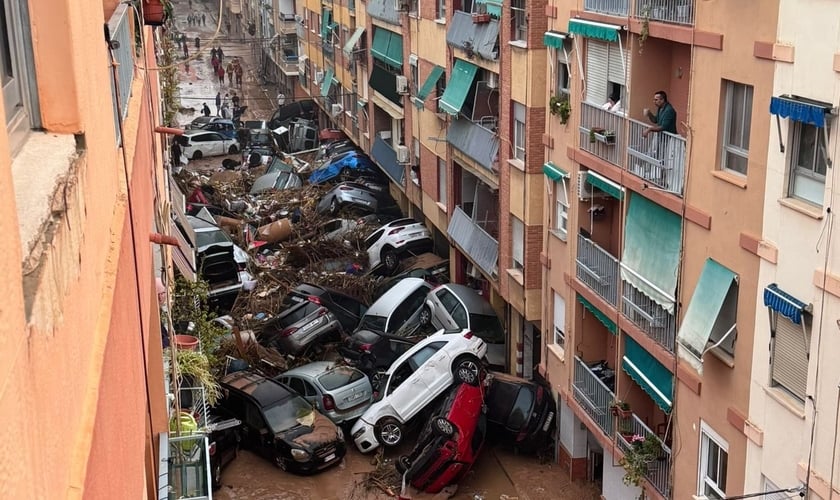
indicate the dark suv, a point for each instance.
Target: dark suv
{"x":298,"y":109}
{"x":280,"y":425}
{"x":522,"y":410}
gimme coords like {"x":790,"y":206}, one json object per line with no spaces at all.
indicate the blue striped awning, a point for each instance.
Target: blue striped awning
{"x":800,"y":110}
{"x":784,"y":303}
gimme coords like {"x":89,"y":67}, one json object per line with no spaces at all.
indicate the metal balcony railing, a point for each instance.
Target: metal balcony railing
{"x":655,"y":321}
{"x":666,"y":11}
{"x":477,"y":243}
{"x":386,"y":157}
{"x":598,"y":269}
{"x":594,"y":396}
{"x":602,"y":133}
{"x":122,"y":49}
{"x":659,"y":470}
{"x":189,"y":467}
{"x":613,"y":7}
{"x":658,"y":158}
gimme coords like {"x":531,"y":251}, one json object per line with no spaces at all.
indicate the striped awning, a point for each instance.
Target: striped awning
{"x":784,"y":303}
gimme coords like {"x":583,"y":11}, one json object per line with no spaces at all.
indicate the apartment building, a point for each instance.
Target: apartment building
{"x":653,"y":239}
{"x":82,"y":396}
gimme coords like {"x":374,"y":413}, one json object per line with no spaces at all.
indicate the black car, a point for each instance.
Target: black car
{"x":280,"y":425}
{"x":305,"y":108}
{"x":522,"y":410}
{"x":373,"y":352}
{"x":224,"y":445}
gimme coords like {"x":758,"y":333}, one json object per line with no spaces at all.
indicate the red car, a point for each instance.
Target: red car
{"x":451,"y":442}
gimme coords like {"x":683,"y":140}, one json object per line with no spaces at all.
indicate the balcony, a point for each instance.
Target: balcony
{"x":659,"y":158}
{"x":287,"y":60}
{"x":597,"y":269}
{"x":659,"y":470}
{"x":593,"y":395}
{"x":477,"y":142}
{"x":386,"y":157}
{"x":481,"y":39}
{"x":666,"y":11}
{"x":602,"y":133}
{"x":475,"y":242}
{"x":653,"y":319}
{"x":120,"y":28}
{"x":287,"y":25}
{"x":384,"y":10}
{"x":611,"y":7}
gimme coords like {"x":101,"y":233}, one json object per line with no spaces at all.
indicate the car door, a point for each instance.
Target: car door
{"x":402,"y":389}
{"x":306,"y":390}
{"x":243,"y":409}
{"x":433,"y":368}
{"x":451,"y":314}
{"x":414,"y":393}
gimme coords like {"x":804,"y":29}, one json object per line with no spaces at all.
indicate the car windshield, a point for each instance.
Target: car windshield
{"x":521,"y":409}
{"x":487,"y":328}
{"x":373,"y":323}
{"x":338,"y":377}
{"x":206,"y":238}
{"x":286,"y":414}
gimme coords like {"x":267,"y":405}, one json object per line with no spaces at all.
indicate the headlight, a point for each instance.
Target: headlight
{"x":300,"y":455}
{"x":339,"y":433}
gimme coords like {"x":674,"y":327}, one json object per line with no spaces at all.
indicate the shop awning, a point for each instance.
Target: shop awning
{"x":463,"y":74}
{"x":430,"y":83}
{"x":554,"y":39}
{"x":646,"y":371}
{"x":606,"y":321}
{"x":800,"y":109}
{"x":592,"y":29}
{"x":554,"y":172}
{"x":704,"y":308}
{"x":651,"y":256}
{"x":350,"y":46}
{"x":493,"y":7}
{"x":605,"y":185}
{"x":327,"y":83}
{"x":387,"y":47}
{"x":784,"y":303}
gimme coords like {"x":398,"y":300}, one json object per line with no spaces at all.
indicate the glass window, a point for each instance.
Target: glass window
{"x":296,"y":385}
{"x":16,"y":73}
{"x":559,"y":321}
{"x":518,"y":131}
{"x":339,"y":377}
{"x":560,"y":224}
{"x":808,"y":163}
{"x":440,"y":9}
{"x":736,"y":126}
{"x":414,"y":76}
{"x":441,"y":181}
{"x":286,"y":414}
{"x":425,"y":354}
{"x":459,"y":315}
{"x":519,"y":28}
{"x":713,"y":461}
{"x":518,"y":243}
{"x":400,"y":375}
{"x":440,"y":86}
{"x":725,"y":322}
{"x":449,"y":301}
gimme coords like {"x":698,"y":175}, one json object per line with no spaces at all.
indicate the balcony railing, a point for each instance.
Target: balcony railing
{"x":287,"y":24}
{"x":189,"y":467}
{"x":613,"y":7}
{"x":598,"y":269}
{"x":474,"y":140}
{"x":659,"y":470}
{"x":666,"y":11}
{"x":658,"y":158}
{"x":123,"y":53}
{"x":658,"y":323}
{"x":477,"y":243}
{"x":594,"y":396}
{"x":602,"y":133}
{"x":385,"y":156}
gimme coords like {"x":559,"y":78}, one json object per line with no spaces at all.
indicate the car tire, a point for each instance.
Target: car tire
{"x":197,"y":155}
{"x":333,"y":206}
{"x":465,"y":370}
{"x":389,"y":432}
{"x":233,"y":150}
{"x":443,"y":427}
{"x":389,"y":260}
{"x":345,"y":174}
{"x":425,"y":316}
{"x":402,"y":464}
{"x":280,"y":461}
{"x":217,"y":475}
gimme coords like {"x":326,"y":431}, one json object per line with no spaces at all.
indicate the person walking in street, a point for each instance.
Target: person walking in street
{"x":230,"y":73}
{"x":238,"y":70}
{"x":221,"y":54}
{"x":197,"y":43}
{"x":218,"y":103}
{"x":281,"y":99}
{"x":235,"y":100}
{"x":213,"y":54}
{"x":186,"y":50}
{"x":225,"y":111}
{"x":203,"y":20}
{"x":189,"y":19}
{"x":221,"y":74}
{"x":205,"y":109}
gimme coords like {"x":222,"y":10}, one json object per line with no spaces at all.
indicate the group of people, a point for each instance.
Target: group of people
{"x":234,"y":68}
{"x":222,"y":107}
{"x":196,"y":19}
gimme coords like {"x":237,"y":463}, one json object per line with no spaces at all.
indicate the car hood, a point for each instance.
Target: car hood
{"x":321,"y":431}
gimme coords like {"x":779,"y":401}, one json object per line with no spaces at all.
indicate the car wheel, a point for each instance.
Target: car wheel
{"x":443,"y":427}
{"x":465,"y":370}
{"x":280,"y":461}
{"x":389,"y":432}
{"x":389,"y":258}
{"x":345,"y":173}
{"x":217,"y":475}
{"x":233,"y":150}
{"x":197,"y":155}
{"x":402,"y":464}
{"x":425,"y":316}
{"x":333,"y":206}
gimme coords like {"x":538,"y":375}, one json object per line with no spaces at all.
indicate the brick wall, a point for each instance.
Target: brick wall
{"x":533,"y":247}
{"x":534,"y":148}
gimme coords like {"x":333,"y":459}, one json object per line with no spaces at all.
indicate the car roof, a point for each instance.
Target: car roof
{"x":222,"y":120}
{"x":406,"y":221}
{"x":396,"y":295}
{"x":474,"y":302}
{"x":265,"y":391}
{"x":311,"y":369}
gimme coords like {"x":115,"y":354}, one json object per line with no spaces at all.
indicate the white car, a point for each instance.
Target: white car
{"x":396,"y":238}
{"x":200,"y":143}
{"x":414,"y":380}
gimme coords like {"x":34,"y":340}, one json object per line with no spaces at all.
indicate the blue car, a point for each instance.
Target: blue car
{"x":346,"y":167}
{"x":225,"y":127}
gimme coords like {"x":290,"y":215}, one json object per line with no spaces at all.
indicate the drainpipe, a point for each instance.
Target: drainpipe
{"x":163,"y":239}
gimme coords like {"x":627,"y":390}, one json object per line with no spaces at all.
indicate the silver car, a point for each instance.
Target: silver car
{"x":276,"y":181}
{"x":363,"y":197}
{"x":454,"y":306}
{"x":342,"y":393}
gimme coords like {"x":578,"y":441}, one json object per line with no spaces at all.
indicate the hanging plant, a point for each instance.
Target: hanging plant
{"x":559,"y":105}
{"x":168,"y":77}
{"x":643,"y":450}
{"x":645,"y":31}
{"x":195,"y":367}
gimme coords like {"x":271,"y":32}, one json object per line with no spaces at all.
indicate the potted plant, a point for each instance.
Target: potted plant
{"x":559,"y":105}
{"x":643,"y":450}
{"x":156,"y":12}
{"x":620,"y":409}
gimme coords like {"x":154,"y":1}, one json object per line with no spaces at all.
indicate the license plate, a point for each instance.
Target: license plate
{"x":329,"y":457}
{"x":355,"y":396}
{"x":311,"y":324}
{"x":547,"y":423}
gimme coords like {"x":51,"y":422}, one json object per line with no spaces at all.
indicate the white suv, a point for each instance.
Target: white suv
{"x":398,"y":237}
{"x":415,"y":379}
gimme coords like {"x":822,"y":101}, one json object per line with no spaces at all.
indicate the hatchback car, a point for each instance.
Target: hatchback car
{"x":521,"y":409}
{"x":344,"y":167}
{"x":340,"y":229}
{"x":459,"y":306}
{"x":340,"y":392}
{"x":197,"y":144}
{"x":396,"y":239}
{"x":255,"y":124}
{"x":450,"y":443}
{"x":365,"y":198}
{"x":276,"y":181}
{"x":415,"y":380}
{"x":225,"y":127}
{"x":280,"y":425}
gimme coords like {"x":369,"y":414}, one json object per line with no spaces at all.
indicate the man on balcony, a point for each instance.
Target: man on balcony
{"x":665,"y":119}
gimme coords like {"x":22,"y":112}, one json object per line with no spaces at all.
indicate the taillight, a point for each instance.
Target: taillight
{"x":213,"y":448}
{"x":345,"y":188}
{"x":314,"y":299}
{"x":329,"y":403}
{"x":468,"y":335}
{"x":288,"y":331}
{"x":365,"y":347}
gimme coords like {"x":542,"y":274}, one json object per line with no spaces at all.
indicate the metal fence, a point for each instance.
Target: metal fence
{"x":666,"y":11}
{"x":189,"y":467}
{"x":594,"y":396}
{"x":658,"y":158}
{"x":122,"y":50}
{"x":602,"y":133}
{"x":598,"y":269}
{"x":477,"y":243}
{"x":658,"y":470}
{"x":658,"y":323}
{"x":614,"y":7}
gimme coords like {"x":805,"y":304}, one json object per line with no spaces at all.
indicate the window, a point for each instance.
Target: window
{"x":563,"y":76}
{"x":725,"y":322}
{"x":559,"y":321}
{"x":713,"y":460}
{"x":606,"y":68}
{"x":517,"y":243}
{"x":770,"y":486}
{"x":413,"y":75}
{"x":440,"y":10}
{"x":17,"y":71}
{"x":560,"y":224}
{"x":441,"y":167}
{"x":413,"y":7}
{"x":808,"y":163}
{"x":789,"y":354}
{"x":519,"y":28}
{"x":736,"y":126}
{"x":518,"y":131}
{"x":440,"y":86}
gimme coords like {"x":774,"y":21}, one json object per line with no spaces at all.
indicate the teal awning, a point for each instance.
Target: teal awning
{"x":326,"y":17}
{"x":651,"y":256}
{"x":592,"y":29}
{"x":387,"y":47}
{"x":350,"y":46}
{"x":606,"y":321}
{"x":430,"y":83}
{"x":493,"y":7}
{"x":554,"y":39}
{"x":704,"y":308}
{"x":554,"y":172}
{"x":328,"y":81}
{"x":649,"y":373}
{"x":463,"y":74}
{"x":605,"y":185}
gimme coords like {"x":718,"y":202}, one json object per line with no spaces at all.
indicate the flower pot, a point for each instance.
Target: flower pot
{"x":186,"y":342}
{"x":154,"y":12}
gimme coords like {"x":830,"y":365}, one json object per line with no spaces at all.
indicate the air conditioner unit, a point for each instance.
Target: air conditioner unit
{"x":336,"y":109}
{"x":403,"y":155}
{"x":319,"y":77}
{"x":492,"y":80}
{"x":402,"y":84}
{"x":585,"y":190}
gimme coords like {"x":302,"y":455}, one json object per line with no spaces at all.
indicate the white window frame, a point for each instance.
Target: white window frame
{"x":729,"y":149}
{"x":562,"y":70}
{"x":414,"y":74}
{"x":559,"y":321}
{"x":519,"y":131}
{"x":20,"y":93}
{"x":517,"y":243}
{"x":441,"y":194}
{"x":518,"y":16}
{"x":799,"y":175}
{"x":711,"y":441}
{"x":440,"y":10}
{"x":560,"y":224}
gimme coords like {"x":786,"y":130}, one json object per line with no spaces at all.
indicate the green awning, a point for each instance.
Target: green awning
{"x":654,"y":378}
{"x":605,"y":185}
{"x":610,"y":324}
{"x":463,"y":74}
{"x":326,"y":17}
{"x":651,"y":256}
{"x":493,"y":7}
{"x":704,"y":308}
{"x":554,"y":172}
{"x":554,"y":39}
{"x":430,"y":83}
{"x":387,"y":47}
{"x":350,"y":46}
{"x":328,"y":81}
{"x":592,"y":29}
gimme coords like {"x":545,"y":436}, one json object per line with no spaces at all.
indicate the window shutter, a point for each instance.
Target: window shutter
{"x":790,"y":357}
{"x":616,"y":68}
{"x":597,"y":60}
{"x":559,"y":312}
